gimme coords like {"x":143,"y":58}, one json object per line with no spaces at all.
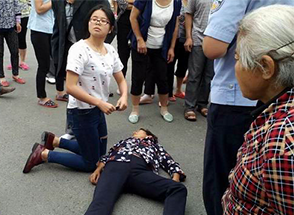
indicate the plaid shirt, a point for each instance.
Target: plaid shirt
{"x":147,"y":148}
{"x":262,"y":182}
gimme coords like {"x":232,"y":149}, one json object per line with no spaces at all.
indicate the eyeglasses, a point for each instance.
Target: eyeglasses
{"x":99,"y":21}
{"x":273,"y":52}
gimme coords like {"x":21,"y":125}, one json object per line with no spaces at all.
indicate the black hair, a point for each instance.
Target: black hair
{"x":108,"y":13}
{"x":149,"y":133}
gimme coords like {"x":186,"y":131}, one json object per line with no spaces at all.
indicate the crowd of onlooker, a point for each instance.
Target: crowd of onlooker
{"x":230,"y":54}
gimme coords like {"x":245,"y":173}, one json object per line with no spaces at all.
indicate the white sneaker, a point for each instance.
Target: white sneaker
{"x":67,"y":136}
{"x":50,"y":80}
{"x":146,"y":99}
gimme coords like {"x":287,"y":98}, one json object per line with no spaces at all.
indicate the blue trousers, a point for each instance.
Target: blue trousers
{"x":136,"y":177}
{"x":89,"y":127}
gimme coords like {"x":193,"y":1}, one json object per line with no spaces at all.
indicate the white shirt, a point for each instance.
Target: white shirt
{"x":160,"y":17}
{"x":94,"y":70}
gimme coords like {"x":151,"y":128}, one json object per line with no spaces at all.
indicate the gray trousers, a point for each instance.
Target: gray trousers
{"x":199,"y":77}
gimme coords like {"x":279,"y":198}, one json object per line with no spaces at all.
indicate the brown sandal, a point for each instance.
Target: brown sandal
{"x":203,"y":111}
{"x":190,"y":116}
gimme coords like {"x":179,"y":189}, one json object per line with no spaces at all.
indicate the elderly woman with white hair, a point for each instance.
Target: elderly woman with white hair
{"x":262,"y":182}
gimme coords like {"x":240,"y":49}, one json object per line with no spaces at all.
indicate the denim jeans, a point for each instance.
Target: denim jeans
{"x":89,"y":127}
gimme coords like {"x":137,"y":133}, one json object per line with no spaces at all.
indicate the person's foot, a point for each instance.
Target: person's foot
{"x":18,"y":80}
{"x":9,"y":67}
{"x":203,"y":111}
{"x":5,"y":90}
{"x":35,"y":158}
{"x":190,"y":115}
{"x":62,"y":97}
{"x":133,"y":118}
{"x":67,"y":136}
{"x":50,"y":80}
{"x":47,"y":140}
{"x":4,"y":82}
{"x":167,"y":116}
{"x":24,"y":66}
{"x":146,"y":99}
{"x":47,"y":103}
{"x":180,"y":95}
{"x":172,"y":99}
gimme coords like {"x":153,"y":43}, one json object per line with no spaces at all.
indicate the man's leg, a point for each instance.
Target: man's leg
{"x":144,"y":182}
{"x":110,"y":185}
{"x":226,"y":126}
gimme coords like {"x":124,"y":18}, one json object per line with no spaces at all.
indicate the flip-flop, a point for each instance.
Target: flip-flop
{"x":180,"y":95}
{"x":63,"y":98}
{"x":49,"y":104}
{"x":190,"y":116}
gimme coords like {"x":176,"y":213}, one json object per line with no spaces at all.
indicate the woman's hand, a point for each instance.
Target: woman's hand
{"x":18,"y":27}
{"x":170,"y":55}
{"x":122,"y":103}
{"x":141,"y":46}
{"x":176,"y":177}
{"x":95,"y":176}
{"x":105,"y":107}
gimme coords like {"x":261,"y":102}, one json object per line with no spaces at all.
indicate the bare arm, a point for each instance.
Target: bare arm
{"x":122,"y":103}
{"x":188,"y":26}
{"x":214,"y":48}
{"x":115,"y":5}
{"x":42,"y":7}
{"x":171,"y":51}
{"x":141,"y":45}
{"x":77,"y":92}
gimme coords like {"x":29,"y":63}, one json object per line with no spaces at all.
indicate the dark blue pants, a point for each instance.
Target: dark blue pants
{"x":89,"y":127}
{"x":136,"y":177}
{"x":226,"y":126}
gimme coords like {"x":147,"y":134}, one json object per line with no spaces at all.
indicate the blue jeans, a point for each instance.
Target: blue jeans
{"x":89,"y":127}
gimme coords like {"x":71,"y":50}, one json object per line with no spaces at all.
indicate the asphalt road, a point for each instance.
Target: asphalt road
{"x":51,"y":189}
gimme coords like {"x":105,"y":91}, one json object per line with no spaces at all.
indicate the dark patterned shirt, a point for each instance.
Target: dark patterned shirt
{"x":147,"y":148}
{"x":262,"y":182}
{"x":9,"y":10}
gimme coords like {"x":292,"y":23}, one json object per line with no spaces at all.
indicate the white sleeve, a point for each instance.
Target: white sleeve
{"x":77,"y":58}
{"x":117,"y":66}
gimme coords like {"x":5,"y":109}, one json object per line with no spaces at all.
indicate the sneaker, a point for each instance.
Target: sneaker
{"x":146,"y":99}
{"x":67,"y":136}
{"x":50,"y":80}
{"x":24,"y":66}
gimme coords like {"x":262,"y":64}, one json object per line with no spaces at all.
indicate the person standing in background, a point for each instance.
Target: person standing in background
{"x":229,"y":113}
{"x":40,"y":23}
{"x":10,"y":15}
{"x":22,"y":45}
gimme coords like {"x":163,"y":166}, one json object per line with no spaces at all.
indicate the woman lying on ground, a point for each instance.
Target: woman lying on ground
{"x":132,"y":166}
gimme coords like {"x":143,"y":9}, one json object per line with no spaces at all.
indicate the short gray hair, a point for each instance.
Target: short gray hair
{"x":269,"y":31}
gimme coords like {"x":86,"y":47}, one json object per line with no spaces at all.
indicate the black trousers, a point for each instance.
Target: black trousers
{"x":182,"y":56}
{"x":22,"y":35}
{"x":225,"y":134}
{"x":11,"y":39}
{"x":150,"y":68}
{"x":136,"y":177}
{"x":123,"y":29}
{"x":42,"y":46}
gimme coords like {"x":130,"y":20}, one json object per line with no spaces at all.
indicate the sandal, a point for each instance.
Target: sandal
{"x":203,"y":111}
{"x":63,"y":98}
{"x":24,"y":66}
{"x":4,"y":83}
{"x":18,"y":80}
{"x":190,"y":116}
{"x":180,"y":95}
{"x":49,"y":104}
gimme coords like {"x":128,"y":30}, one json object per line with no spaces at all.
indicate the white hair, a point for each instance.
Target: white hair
{"x":269,"y":31}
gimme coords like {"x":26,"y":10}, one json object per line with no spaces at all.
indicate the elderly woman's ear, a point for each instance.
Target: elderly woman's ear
{"x":268,"y":67}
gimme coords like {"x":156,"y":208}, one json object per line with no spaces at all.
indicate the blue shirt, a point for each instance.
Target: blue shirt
{"x":145,"y":8}
{"x":223,"y":25}
{"x":41,"y":22}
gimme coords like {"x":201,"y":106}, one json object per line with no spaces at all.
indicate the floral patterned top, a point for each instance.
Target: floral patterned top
{"x":148,"y":149}
{"x":25,"y":8}
{"x":262,"y":182}
{"x":10,"y":12}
